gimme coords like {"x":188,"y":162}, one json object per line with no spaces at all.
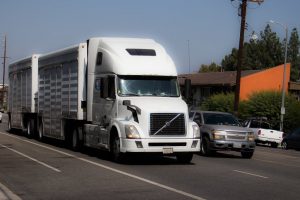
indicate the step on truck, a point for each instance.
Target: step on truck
{"x":116,"y":94}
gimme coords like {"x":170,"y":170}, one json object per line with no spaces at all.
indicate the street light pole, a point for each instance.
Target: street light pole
{"x":282,"y":110}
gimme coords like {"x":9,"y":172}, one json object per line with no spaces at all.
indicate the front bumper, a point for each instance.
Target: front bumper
{"x":232,"y":145}
{"x":165,"y":146}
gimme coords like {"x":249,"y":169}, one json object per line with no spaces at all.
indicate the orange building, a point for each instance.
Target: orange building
{"x":209,"y":83}
{"x":265,"y":80}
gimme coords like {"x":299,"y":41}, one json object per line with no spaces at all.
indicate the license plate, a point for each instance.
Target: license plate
{"x":168,"y":150}
{"x":237,"y":145}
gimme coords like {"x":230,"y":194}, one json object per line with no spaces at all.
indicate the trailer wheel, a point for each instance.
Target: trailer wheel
{"x":76,"y":143}
{"x":29,"y":129}
{"x":116,"y":153}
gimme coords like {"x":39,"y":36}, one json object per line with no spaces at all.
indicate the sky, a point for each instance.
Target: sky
{"x":193,"y":32}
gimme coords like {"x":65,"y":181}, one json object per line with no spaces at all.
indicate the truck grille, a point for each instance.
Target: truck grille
{"x":236,"y":136}
{"x":158,"y":120}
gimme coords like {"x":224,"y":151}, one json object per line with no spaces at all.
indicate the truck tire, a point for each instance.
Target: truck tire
{"x":116,"y":154}
{"x":30,"y":129}
{"x":247,"y":154}
{"x":184,"y":158}
{"x":285,"y":145}
{"x":205,"y":149}
{"x":274,"y":145}
{"x":76,"y":144}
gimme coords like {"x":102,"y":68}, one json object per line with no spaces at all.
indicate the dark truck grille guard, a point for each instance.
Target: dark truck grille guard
{"x":172,"y":126}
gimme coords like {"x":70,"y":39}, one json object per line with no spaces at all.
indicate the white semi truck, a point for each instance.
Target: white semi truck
{"x":117,"y":94}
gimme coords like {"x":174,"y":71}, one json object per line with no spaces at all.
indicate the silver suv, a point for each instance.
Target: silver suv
{"x":222,"y":131}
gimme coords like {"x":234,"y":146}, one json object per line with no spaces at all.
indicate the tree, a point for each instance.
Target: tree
{"x":270,"y":48}
{"x":293,"y":54}
{"x":229,"y":62}
{"x":260,"y":104}
{"x":262,"y":53}
{"x":213,"y":67}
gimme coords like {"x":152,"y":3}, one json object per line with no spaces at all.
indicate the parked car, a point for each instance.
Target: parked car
{"x":292,"y":140}
{"x":222,"y":131}
{"x":263,"y":132}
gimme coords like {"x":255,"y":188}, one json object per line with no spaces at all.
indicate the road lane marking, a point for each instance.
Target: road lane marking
{"x":242,"y":172}
{"x":6,"y":193}
{"x":113,"y":170}
{"x":30,"y":158}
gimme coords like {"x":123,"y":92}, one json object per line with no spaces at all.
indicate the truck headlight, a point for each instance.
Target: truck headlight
{"x":251,"y":137}
{"x":196,"y":131}
{"x":131,"y":132}
{"x":218,"y":135}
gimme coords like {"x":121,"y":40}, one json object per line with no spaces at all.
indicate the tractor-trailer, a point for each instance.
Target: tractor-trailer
{"x":117,"y":94}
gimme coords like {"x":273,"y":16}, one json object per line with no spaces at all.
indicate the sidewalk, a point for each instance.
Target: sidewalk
{"x":6,"y":194}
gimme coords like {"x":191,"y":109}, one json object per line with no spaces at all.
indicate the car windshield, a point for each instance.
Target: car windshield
{"x":220,"y":119}
{"x":148,"y":86}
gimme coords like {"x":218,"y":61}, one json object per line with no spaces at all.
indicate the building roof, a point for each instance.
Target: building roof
{"x":214,"y":78}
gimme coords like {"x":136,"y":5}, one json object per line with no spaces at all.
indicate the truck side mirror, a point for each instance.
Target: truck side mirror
{"x":126,"y":103}
{"x":187,"y":90}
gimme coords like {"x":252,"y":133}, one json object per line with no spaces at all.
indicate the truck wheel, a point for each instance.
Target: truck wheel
{"x":284,"y":145}
{"x":116,"y":153}
{"x":184,"y":158}
{"x":247,"y":154}
{"x":76,"y":143}
{"x":29,"y":129}
{"x":205,"y":148}
{"x":274,"y":145}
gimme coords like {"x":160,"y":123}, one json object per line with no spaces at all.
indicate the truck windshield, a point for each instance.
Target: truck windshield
{"x":220,"y":119}
{"x":148,"y":86}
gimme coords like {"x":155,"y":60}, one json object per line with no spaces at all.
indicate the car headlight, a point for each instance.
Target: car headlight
{"x":251,"y":137}
{"x":196,"y":131}
{"x":131,"y":132}
{"x":218,"y":135}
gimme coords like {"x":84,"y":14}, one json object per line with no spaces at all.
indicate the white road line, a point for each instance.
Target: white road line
{"x":6,"y":193}
{"x":250,"y":174}
{"x":114,"y":170}
{"x":30,"y":158}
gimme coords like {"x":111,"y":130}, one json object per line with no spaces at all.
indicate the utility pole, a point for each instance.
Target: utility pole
{"x":243,"y":7}
{"x":4,"y":64}
{"x":240,"y":57}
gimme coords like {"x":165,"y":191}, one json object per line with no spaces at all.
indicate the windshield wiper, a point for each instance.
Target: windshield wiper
{"x":130,"y":94}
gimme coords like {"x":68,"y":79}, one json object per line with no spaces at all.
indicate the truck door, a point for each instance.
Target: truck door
{"x":104,"y":104}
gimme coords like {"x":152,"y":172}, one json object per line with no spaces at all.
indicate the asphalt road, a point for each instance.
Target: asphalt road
{"x":30,"y":169}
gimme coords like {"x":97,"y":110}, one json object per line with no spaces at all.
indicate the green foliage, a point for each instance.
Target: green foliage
{"x":265,"y":52}
{"x":264,"y":104}
{"x":260,"y":104}
{"x":219,"y":102}
{"x":213,"y":67}
{"x":293,"y":54}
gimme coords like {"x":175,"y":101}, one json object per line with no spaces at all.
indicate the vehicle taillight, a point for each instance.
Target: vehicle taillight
{"x":259,"y":132}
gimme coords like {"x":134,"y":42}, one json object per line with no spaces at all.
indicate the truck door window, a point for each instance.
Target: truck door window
{"x":107,"y":86}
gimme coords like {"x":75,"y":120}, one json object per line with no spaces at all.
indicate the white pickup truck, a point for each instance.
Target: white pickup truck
{"x":263,"y":132}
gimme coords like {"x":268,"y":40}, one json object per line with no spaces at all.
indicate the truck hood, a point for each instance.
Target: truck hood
{"x":226,"y":128}
{"x":160,"y":104}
